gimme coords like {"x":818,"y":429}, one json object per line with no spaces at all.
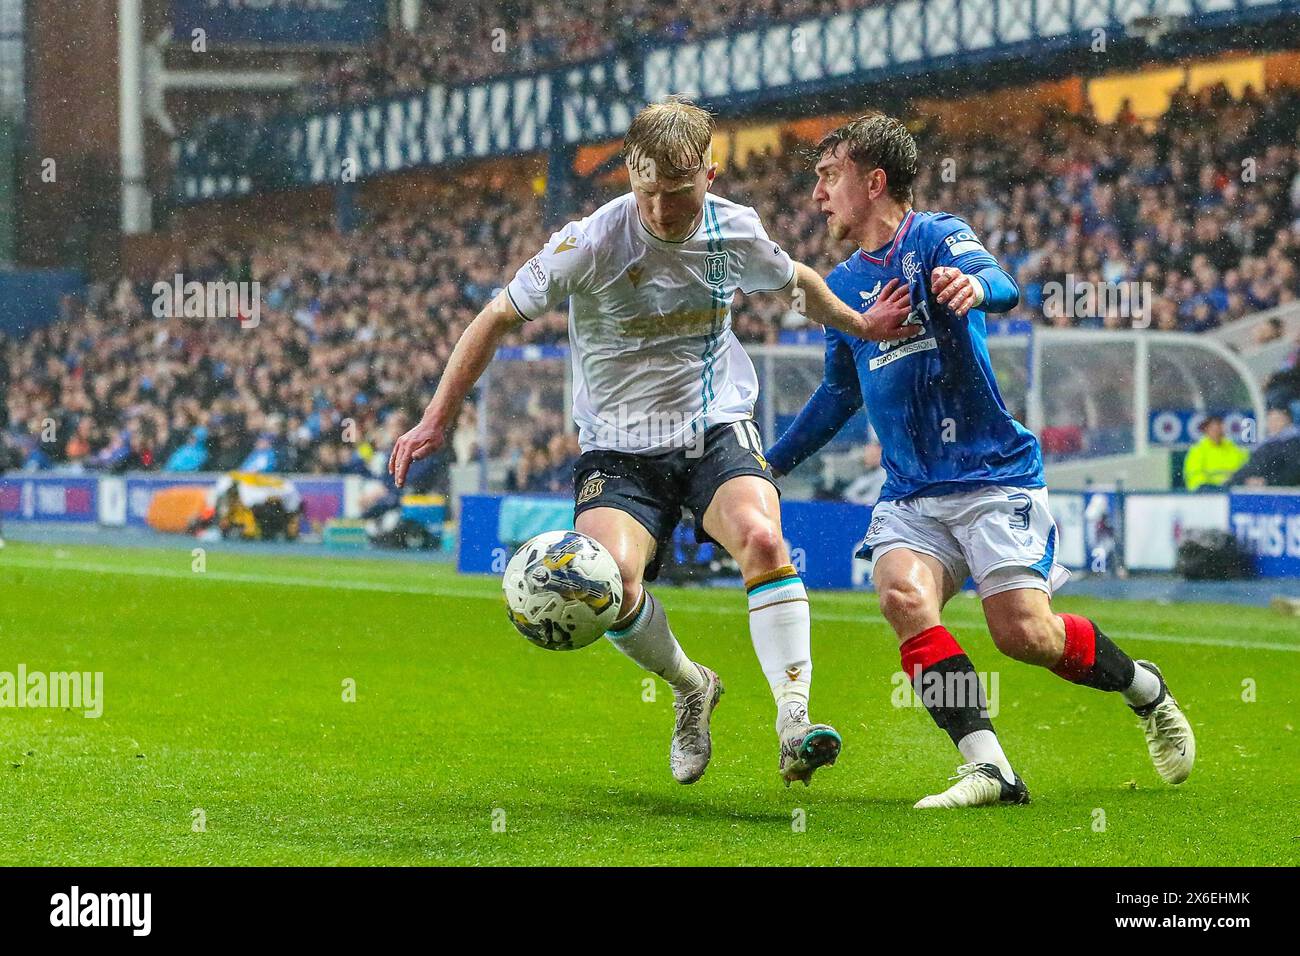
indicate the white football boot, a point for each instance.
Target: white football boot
{"x":1170,"y":740}
{"x":692,"y":746}
{"x":978,"y":785}
{"x":804,"y":746}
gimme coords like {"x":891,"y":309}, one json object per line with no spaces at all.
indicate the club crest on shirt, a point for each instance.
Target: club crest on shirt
{"x":715,"y":268}
{"x":591,"y":488}
{"x":910,"y":266}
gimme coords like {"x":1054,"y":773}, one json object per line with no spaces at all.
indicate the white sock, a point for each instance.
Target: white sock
{"x":790,"y":710}
{"x":982,"y":746}
{"x":781,"y":629}
{"x":1144,"y":689}
{"x":649,"y":641}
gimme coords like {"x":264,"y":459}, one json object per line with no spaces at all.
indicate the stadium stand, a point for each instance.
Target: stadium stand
{"x":531,"y":35}
{"x":357,"y":326}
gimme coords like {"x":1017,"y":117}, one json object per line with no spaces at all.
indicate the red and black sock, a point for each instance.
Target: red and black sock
{"x":945,"y":680}
{"x":1091,"y":658}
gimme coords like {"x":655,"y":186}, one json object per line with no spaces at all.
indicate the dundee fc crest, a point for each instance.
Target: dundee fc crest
{"x":715,"y":268}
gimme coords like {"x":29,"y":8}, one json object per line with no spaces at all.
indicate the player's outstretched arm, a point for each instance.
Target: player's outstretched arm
{"x":471,"y":356}
{"x":883,"y":322}
{"x":821,"y":418}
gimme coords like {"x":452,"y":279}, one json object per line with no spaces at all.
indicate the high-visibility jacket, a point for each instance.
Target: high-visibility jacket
{"x":1212,"y":463}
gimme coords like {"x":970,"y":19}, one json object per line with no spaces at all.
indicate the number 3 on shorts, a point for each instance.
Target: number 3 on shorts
{"x":1021,"y":520}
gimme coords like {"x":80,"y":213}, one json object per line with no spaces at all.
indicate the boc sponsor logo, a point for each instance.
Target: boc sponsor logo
{"x":962,"y":242}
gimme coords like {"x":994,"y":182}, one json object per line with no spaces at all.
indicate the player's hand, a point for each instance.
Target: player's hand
{"x":420,"y":442}
{"x":956,"y":290}
{"x":883,"y":322}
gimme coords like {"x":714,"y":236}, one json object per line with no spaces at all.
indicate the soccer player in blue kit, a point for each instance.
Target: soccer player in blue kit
{"x":964,"y":494}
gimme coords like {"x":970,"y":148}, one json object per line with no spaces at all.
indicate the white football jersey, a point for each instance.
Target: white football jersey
{"x":654,"y":359}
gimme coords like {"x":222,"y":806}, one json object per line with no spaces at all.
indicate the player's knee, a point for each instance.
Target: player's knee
{"x":763,"y":544}
{"x":630,"y":570}
{"x":631,"y":575}
{"x":1028,"y":639}
{"x":904,"y":605}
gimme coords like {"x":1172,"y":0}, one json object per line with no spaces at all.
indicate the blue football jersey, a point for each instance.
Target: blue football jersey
{"x":931,"y":398}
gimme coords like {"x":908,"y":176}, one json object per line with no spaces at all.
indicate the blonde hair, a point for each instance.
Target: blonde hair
{"x":669,"y":140}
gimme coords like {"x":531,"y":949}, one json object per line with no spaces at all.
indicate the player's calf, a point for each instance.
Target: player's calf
{"x":1024,"y":627}
{"x":780,"y":627}
{"x":1031,"y":639}
{"x":648,"y":640}
{"x":1076,"y":649}
{"x":641,"y":631}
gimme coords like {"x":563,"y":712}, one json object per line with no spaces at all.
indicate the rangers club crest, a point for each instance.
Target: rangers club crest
{"x":910,"y":266}
{"x":715,"y":268}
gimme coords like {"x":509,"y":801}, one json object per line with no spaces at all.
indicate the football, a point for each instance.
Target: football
{"x":562,"y":590}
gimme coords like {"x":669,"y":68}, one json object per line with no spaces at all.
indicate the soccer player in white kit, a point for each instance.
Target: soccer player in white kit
{"x":663,"y":399}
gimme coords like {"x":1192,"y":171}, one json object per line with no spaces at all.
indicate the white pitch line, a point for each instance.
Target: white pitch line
{"x":442,"y":591}
{"x":236,"y":577}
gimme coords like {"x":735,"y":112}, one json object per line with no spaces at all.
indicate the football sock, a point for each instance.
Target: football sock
{"x":1092,"y":659}
{"x":780,"y":627}
{"x":790,"y":710}
{"x":649,"y":641}
{"x":945,"y":680}
{"x":982,"y":746}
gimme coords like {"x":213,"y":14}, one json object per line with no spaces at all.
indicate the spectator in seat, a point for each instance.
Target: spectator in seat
{"x":561,"y":455}
{"x":1283,"y":386}
{"x":192,"y":455}
{"x":865,"y":489}
{"x":1266,"y":332}
{"x":1276,"y":461}
{"x":262,"y":458}
{"x":1213,"y":460}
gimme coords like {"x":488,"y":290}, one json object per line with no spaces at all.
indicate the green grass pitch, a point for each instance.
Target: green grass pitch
{"x":224,"y":693}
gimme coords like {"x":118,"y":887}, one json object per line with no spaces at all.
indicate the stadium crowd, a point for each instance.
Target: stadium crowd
{"x":356,"y":327}
{"x":463,"y":41}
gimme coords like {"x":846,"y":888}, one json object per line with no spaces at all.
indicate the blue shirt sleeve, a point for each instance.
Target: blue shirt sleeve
{"x":957,"y":245}
{"x":1001,"y":294}
{"x":826,"y":412}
